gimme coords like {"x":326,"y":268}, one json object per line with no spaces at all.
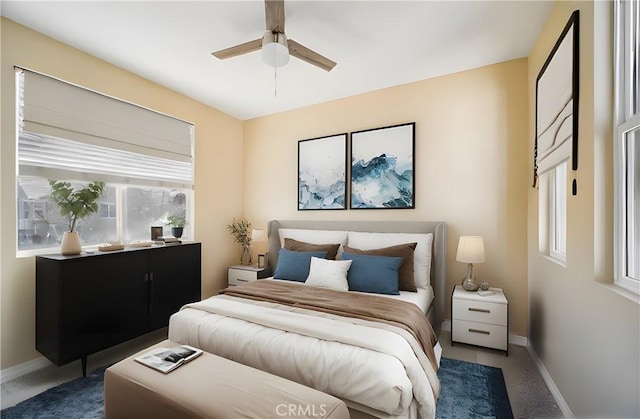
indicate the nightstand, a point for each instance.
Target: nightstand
{"x":480,"y":320}
{"x":241,"y":274}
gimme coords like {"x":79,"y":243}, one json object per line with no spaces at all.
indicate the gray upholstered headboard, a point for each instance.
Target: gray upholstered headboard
{"x":439,"y":248}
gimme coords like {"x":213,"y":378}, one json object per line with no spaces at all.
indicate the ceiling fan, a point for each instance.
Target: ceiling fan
{"x":275,"y":46}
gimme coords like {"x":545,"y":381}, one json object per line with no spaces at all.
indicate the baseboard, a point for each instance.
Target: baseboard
{"x":106,"y":356}
{"x":555,"y":392}
{"x":19,"y":370}
{"x":513,"y":339}
{"x":517,"y":340}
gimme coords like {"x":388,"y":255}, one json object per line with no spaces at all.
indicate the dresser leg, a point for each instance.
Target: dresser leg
{"x":84,"y":366}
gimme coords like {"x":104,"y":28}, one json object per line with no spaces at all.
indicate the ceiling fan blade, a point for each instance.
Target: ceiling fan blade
{"x":238,"y":49}
{"x":274,"y":14}
{"x":312,"y":57}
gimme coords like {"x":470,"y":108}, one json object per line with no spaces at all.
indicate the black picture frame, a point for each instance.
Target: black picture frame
{"x":382,"y":174}
{"x":322,"y":173}
{"x":156,"y":231}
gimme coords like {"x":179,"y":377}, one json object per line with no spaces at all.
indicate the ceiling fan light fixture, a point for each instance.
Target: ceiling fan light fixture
{"x":275,"y":49}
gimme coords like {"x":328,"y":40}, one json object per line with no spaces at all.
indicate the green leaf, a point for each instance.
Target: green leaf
{"x":75,"y":203}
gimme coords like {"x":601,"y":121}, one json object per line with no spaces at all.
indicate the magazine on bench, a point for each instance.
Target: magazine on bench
{"x":168,"y":359}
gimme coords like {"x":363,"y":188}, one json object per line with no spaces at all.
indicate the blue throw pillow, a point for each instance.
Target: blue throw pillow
{"x":294,"y":266}
{"x":374,"y":274}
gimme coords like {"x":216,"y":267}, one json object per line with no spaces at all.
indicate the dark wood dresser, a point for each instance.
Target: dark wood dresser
{"x":89,"y":302}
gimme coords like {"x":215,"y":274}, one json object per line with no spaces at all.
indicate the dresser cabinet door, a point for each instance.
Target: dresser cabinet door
{"x":176,"y":274}
{"x":103,"y":302}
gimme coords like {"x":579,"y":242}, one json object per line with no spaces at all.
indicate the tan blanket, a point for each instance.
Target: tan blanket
{"x":367,"y":307}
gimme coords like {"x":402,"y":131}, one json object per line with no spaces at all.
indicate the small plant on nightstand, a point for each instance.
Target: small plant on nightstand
{"x":241,"y":232}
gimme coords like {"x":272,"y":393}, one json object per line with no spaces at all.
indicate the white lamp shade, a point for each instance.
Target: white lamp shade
{"x":470,"y":249}
{"x":258,"y":236}
{"x":275,"y":49}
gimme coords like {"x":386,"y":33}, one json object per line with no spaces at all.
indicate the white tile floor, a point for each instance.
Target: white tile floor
{"x":528,"y":393}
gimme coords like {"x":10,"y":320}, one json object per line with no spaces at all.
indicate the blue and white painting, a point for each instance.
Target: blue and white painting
{"x":322,"y":173}
{"x":382,"y":167}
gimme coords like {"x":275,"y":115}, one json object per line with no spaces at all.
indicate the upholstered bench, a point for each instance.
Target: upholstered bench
{"x":210,"y":387}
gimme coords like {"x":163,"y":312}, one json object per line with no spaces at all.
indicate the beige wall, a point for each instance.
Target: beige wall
{"x":471,"y":149}
{"x":583,"y":330}
{"x":218,"y":152}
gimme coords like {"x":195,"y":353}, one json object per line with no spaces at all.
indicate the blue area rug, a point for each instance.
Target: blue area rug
{"x":471,"y":390}
{"x":468,"y":391}
{"x":79,"y":398}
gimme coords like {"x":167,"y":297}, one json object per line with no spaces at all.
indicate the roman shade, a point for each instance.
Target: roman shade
{"x":557,"y":91}
{"x":555,"y":143}
{"x":68,"y":132}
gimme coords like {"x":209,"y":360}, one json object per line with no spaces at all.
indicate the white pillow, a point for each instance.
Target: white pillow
{"x":421,"y":254}
{"x":315,"y":237}
{"x":329,"y":274}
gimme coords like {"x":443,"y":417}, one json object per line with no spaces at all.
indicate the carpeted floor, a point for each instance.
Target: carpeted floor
{"x":468,"y":391}
{"x":471,"y":390}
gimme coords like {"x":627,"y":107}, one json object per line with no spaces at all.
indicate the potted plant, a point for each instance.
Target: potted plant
{"x":74,"y":204}
{"x":241,"y":232}
{"x":177,"y":223}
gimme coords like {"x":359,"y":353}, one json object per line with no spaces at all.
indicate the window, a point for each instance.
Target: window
{"x":40,"y":225}
{"x":553,"y":213}
{"x":558,"y":211}
{"x":107,"y":210}
{"x":143,"y":157}
{"x":627,"y":146}
{"x":145,"y":207}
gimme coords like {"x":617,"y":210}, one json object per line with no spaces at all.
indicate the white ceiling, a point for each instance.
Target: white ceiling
{"x":376,"y":44}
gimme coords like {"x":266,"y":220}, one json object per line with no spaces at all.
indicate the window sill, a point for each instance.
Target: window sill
{"x":554,"y":260}
{"x":49,"y":250}
{"x":630,"y":295}
{"x":35,"y":252}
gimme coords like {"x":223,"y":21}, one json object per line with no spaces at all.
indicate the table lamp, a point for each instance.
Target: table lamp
{"x":258,"y":236}
{"x":470,"y":251}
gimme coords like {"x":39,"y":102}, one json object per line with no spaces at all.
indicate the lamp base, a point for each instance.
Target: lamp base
{"x":469,"y":283}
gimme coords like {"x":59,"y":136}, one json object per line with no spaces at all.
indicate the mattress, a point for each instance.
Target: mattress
{"x":377,"y":366}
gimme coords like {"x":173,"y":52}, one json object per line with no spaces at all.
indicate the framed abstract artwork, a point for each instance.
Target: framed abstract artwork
{"x":382,"y":168}
{"x":322,"y":173}
{"x":557,"y":93}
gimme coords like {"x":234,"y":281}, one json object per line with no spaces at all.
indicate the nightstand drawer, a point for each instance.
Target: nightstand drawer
{"x":481,"y":334}
{"x":480,"y":311}
{"x":240,"y":276}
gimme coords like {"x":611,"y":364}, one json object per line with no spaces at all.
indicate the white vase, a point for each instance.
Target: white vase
{"x":70,"y":244}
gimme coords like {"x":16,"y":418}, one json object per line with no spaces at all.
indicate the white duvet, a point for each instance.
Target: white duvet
{"x":380,"y":368}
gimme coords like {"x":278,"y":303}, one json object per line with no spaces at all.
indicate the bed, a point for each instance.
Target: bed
{"x":381,"y":363}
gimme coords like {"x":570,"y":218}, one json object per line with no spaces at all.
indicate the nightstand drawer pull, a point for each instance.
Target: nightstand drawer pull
{"x":242,"y":280}
{"x":480,"y":310}
{"x":484,"y":332}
